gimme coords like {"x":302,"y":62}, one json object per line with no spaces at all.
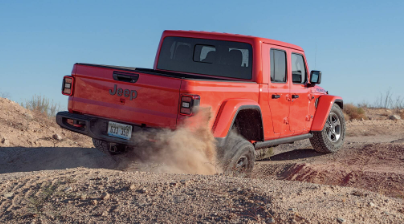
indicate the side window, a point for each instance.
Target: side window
{"x":299,"y":72}
{"x":278,"y":66}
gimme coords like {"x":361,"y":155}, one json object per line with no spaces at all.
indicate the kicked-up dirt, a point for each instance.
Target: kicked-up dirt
{"x":49,"y":175}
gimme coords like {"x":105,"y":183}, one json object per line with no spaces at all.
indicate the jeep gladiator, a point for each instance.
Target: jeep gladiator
{"x":259,"y":87}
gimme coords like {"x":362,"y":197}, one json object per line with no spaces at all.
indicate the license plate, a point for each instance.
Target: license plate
{"x":119,"y":130}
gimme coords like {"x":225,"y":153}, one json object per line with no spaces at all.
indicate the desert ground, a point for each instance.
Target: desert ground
{"x":50,"y":175}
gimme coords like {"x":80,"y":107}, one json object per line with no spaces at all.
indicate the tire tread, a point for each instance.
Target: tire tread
{"x":320,"y":141}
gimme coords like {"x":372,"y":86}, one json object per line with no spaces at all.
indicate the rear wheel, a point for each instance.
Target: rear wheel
{"x":331,"y":138}
{"x":108,"y":148}
{"x":237,"y":156}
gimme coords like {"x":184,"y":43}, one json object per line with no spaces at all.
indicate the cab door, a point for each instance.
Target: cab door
{"x":300,"y":97}
{"x":278,"y":89}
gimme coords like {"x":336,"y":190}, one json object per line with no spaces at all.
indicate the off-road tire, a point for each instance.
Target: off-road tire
{"x":321,"y":141}
{"x":237,"y":156}
{"x":103,"y":146}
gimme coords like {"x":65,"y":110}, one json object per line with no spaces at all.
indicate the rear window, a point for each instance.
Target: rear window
{"x":208,"y":57}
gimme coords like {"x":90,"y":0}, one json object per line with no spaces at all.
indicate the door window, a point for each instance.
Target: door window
{"x":299,"y":72}
{"x":278,"y":66}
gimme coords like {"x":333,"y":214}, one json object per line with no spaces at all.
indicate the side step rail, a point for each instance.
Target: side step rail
{"x":266,"y":144}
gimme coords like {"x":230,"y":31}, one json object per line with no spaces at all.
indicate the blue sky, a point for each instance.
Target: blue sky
{"x":358,"y":45}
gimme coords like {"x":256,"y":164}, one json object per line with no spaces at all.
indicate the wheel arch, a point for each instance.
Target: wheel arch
{"x":324,"y":106}
{"x":340,"y":103}
{"x":233,"y":113}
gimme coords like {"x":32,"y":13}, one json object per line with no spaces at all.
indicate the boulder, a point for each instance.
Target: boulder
{"x":394,"y":117}
{"x":5,"y":142}
{"x":57,"y":137}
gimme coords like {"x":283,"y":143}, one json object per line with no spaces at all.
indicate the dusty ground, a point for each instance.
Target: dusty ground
{"x":45,"y":180}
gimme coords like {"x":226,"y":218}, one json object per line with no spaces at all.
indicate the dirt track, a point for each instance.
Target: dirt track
{"x":372,"y":159}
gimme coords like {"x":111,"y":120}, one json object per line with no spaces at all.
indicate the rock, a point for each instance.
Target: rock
{"x":340,"y":220}
{"x":270,"y":220}
{"x":57,"y":137}
{"x":358,"y":193}
{"x":144,"y":190}
{"x":105,"y":213}
{"x":132,"y":187}
{"x":371,"y":204}
{"x":292,"y":209}
{"x":5,"y":142}
{"x":105,"y":196}
{"x":8,"y":195}
{"x":67,"y":189}
{"x":83,"y":197}
{"x":184,"y":182}
{"x":94,"y":202}
{"x":394,"y":117}
{"x":29,"y":116}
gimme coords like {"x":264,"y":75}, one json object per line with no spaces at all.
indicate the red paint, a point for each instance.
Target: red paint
{"x":324,"y":106}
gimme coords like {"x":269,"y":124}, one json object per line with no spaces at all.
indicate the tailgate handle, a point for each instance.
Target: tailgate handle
{"x":125,"y":77}
{"x":275,"y":96}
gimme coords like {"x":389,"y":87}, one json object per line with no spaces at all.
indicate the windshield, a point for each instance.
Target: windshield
{"x":208,"y":57}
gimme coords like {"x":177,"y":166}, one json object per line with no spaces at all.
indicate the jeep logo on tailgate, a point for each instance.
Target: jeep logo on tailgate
{"x":125,"y":92}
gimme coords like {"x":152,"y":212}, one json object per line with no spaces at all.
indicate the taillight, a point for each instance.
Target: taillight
{"x":67,"y":87}
{"x":189,"y":104}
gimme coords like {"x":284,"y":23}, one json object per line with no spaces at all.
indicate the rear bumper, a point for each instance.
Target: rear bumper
{"x":96,"y":127}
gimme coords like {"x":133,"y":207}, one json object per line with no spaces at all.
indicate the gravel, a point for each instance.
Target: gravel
{"x":145,"y":197}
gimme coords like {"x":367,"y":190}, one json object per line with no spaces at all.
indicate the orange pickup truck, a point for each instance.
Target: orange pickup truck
{"x":259,"y":87}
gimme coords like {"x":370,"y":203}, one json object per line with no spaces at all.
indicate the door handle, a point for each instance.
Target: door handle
{"x":125,"y":77}
{"x":276,"y":96}
{"x":295,"y":96}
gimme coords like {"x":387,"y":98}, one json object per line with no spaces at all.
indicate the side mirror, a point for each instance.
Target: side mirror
{"x":315,"y":77}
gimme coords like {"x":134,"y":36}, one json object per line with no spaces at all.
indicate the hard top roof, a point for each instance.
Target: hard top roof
{"x":233,"y":37}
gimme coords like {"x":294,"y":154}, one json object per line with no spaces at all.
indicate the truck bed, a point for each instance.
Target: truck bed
{"x":162,"y":73}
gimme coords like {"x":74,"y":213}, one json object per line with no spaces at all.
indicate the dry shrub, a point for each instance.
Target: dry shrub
{"x":346,"y":116}
{"x":44,"y":119}
{"x":354,"y":112}
{"x":401,"y":114}
{"x":5,"y":95}
{"x":43,"y":105}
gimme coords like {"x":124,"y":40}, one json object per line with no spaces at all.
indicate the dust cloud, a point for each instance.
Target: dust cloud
{"x":189,"y":149}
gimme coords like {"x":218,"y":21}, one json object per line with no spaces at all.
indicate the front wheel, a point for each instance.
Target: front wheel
{"x":331,"y":138}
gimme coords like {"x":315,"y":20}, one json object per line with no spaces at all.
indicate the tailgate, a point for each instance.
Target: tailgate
{"x":127,"y":96}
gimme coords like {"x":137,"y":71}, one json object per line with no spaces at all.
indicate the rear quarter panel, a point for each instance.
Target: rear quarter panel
{"x":215,"y":94}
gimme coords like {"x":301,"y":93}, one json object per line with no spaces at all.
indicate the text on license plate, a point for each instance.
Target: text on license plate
{"x":119,"y":130}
